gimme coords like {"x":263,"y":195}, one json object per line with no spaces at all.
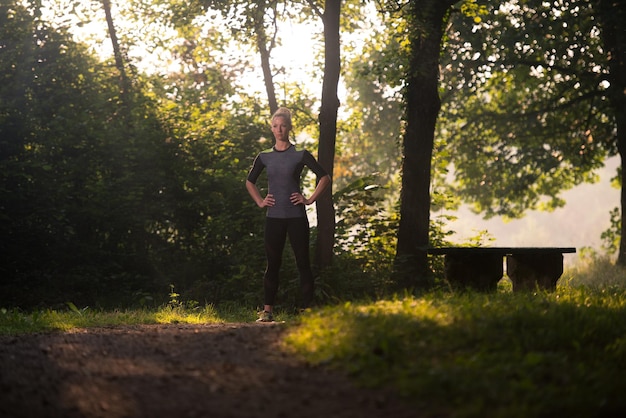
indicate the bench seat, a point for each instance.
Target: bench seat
{"x":482,"y":268}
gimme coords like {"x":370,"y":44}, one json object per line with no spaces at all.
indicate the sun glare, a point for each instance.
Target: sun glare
{"x":299,"y":44}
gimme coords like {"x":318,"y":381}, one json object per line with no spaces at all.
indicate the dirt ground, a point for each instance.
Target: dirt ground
{"x":223,"y":370}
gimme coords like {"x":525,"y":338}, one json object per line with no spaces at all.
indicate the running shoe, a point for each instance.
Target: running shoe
{"x":265,"y":316}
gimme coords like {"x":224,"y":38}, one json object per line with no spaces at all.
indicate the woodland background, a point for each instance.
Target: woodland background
{"x":122,"y":172}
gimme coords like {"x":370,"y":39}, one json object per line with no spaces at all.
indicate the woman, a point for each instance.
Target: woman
{"x":286,"y":214}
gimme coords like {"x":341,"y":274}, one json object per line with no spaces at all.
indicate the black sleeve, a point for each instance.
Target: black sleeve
{"x":309,"y":160}
{"x":255,"y":171}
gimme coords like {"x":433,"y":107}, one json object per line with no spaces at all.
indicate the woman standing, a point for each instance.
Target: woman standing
{"x":286,"y":214}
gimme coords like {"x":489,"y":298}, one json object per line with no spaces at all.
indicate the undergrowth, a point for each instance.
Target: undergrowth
{"x":504,"y":354}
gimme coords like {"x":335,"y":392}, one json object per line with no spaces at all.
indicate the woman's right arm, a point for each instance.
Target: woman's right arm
{"x":256,"y":195}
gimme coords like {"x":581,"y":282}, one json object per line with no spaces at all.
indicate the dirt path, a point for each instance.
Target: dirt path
{"x":225,"y":370}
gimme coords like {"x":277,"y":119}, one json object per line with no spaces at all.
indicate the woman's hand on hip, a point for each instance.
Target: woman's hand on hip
{"x":268,"y":201}
{"x":298,"y":199}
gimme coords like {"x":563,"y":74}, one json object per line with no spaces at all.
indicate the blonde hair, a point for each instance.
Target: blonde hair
{"x":282,"y":112}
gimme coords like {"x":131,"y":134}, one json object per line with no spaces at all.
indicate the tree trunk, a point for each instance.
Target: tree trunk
{"x":328,"y":131}
{"x":426,"y":22}
{"x":612,"y":15}
{"x":264,"y":52}
{"x":117,"y":53}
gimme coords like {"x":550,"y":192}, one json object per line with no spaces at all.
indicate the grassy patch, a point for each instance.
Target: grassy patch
{"x":477,"y":355}
{"x":14,"y":322}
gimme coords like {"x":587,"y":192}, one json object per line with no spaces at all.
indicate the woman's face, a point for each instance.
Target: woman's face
{"x":280,"y":128}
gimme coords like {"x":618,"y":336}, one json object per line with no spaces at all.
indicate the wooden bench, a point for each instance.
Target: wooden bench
{"x":481,"y":268}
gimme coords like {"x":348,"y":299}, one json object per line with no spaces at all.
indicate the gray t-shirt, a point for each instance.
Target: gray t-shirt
{"x":284,"y":171}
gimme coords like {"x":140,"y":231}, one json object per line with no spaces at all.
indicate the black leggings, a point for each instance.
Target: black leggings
{"x":276,"y":231}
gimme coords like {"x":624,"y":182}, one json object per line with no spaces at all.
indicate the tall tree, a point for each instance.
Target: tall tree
{"x":118,"y":55}
{"x":328,"y":127}
{"x":425,"y":21}
{"x":265,"y":48}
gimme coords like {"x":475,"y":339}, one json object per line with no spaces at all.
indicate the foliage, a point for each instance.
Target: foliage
{"x":114,"y":207}
{"x":471,"y":355}
{"x":367,"y":222}
{"x":213,"y":222}
{"x":362,"y":218}
{"x":612,"y":235}
{"x":532,"y":117}
{"x":66,"y":190}
{"x":371,"y":131}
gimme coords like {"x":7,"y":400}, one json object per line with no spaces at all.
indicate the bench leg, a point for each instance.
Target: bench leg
{"x":528,"y":272}
{"x":479,"y":271}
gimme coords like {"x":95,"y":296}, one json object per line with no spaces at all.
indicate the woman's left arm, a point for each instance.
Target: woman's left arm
{"x":319,"y":189}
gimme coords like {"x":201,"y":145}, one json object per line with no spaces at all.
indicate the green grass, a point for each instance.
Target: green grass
{"x":504,"y":354}
{"x":13,"y":322}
